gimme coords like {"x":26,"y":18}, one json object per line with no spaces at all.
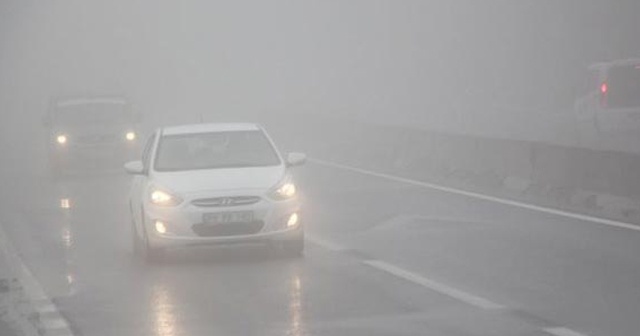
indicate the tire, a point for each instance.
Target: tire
{"x":136,"y":242}
{"x":136,"y":245}
{"x":143,"y":250}
{"x":150,"y":254}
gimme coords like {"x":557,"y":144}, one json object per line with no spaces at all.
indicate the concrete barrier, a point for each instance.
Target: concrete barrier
{"x":602,"y":183}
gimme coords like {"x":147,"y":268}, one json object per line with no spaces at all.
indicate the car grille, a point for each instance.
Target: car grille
{"x":230,"y":229}
{"x":225,"y":201}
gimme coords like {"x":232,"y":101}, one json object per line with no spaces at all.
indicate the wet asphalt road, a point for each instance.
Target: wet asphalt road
{"x":542,"y":272}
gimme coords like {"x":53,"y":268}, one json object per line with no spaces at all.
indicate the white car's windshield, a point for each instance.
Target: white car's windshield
{"x":93,"y":114}
{"x":235,"y":149}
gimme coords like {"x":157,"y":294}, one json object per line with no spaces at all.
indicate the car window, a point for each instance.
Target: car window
{"x":93,"y":114}
{"x":215,"y":150}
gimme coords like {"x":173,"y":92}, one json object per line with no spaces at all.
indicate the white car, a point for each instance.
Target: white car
{"x":212,"y":184}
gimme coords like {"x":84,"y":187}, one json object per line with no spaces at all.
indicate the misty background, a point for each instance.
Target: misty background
{"x":177,"y":60}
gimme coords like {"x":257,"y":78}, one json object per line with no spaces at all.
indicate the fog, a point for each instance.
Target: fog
{"x":417,"y":59}
{"x":474,"y":94}
{"x":360,"y":57}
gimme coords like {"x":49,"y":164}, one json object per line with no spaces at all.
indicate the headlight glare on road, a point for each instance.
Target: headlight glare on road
{"x":61,"y":139}
{"x":164,"y":198}
{"x":130,"y":136}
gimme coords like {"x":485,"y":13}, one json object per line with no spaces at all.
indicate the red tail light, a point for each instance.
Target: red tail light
{"x":604,"y":88}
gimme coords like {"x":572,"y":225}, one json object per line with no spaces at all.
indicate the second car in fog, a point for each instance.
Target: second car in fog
{"x":214,"y":184}
{"x":90,"y":133}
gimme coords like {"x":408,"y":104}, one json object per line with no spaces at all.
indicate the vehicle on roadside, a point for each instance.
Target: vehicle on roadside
{"x":214,"y":184}
{"x":609,"y":103}
{"x":90,"y":133}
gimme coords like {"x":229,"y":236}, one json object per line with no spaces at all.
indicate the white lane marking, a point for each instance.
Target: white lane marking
{"x":562,"y":332}
{"x":34,"y":291}
{"x":327,"y":245}
{"x":412,"y":277}
{"x":433,"y":285}
{"x":494,"y":199}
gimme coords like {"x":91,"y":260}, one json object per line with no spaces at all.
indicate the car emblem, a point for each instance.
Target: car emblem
{"x":226,"y":201}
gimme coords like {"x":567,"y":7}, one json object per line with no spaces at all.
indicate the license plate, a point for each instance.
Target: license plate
{"x":228,"y":217}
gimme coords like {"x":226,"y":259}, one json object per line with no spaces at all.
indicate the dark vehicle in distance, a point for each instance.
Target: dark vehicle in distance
{"x":90,"y":133}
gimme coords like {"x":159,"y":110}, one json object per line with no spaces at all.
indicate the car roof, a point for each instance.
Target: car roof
{"x":611,"y":64}
{"x":209,"y":128}
{"x":94,"y":100}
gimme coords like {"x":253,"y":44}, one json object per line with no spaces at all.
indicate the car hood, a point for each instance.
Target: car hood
{"x":197,"y":181}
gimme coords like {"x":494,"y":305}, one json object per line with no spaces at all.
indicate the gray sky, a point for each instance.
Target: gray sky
{"x":354,"y":57}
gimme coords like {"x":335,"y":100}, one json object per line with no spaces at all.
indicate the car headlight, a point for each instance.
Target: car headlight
{"x":61,"y":139}
{"x":130,"y":136}
{"x":162,"y":197}
{"x":284,"y":190}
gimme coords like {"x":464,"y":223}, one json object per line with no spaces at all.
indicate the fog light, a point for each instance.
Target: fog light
{"x":161,"y":227}
{"x":293,"y":220}
{"x":130,"y":136}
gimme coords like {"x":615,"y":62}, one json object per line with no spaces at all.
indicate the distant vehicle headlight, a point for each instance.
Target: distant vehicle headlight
{"x":61,"y":139}
{"x":284,"y":190}
{"x":164,"y":198}
{"x":130,"y":136}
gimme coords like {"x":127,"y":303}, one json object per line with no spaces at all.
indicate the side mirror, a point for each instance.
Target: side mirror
{"x":296,"y":159}
{"x":134,"y":168}
{"x":46,"y":120}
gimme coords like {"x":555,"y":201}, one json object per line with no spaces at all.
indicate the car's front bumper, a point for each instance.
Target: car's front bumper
{"x":164,"y":241}
{"x":180,"y":222}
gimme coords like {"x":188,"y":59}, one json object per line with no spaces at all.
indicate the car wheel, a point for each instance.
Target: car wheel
{"x":150,"y":254}
{"x":144,"y":250}
{"x":136,"y":242}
